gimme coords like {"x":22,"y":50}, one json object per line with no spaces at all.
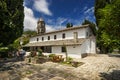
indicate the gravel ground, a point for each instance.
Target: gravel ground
{"x":99,"y":67}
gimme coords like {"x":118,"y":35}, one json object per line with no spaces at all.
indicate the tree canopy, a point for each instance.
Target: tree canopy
{"x":107,"y":13}
{"x":11,"y":20}
{"x":24,"y":39}
{"x":68,"y":25}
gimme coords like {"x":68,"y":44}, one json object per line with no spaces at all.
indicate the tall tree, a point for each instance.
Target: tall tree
{"x":108,"y":22}
{"x":24,"y":39}
{"x":11,"y":20}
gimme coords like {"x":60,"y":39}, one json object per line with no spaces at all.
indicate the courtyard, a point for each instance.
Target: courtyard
{"x":98,"y":67}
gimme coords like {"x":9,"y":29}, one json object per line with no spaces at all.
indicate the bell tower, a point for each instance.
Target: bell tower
{"x":41,"y":26}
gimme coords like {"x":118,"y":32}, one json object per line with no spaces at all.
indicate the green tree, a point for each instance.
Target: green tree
{"x":68,"y":25}
{"x":11,"y":21}
{"x":108,"y":22}
{"x":24,"y":38}
{"x":29,"y":33}
{"x":91,"y":24}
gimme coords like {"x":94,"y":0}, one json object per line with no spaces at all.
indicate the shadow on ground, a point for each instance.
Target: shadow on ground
{"x":8,"y":64}
{"x":114,"y":75}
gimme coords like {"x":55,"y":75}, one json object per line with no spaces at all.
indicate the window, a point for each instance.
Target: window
{"x":63,"y":35}
{"x":37,"y":39}
{"x":42,"y":38}
{"x":48,"y":37}
{"x":55,"y":37}
{"x":63,"y":49}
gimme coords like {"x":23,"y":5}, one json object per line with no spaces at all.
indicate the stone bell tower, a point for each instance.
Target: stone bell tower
{"x":41,"y":26}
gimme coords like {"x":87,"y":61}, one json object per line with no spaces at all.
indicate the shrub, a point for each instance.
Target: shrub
{"x":69,"y":59}
{"x":40,"y":52}
{"x":51,"y":55}
{"x":56,"y":58}
{"x":33,"y":53}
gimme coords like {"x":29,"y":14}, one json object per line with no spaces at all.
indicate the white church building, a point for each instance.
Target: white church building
{"x":79,"y":41}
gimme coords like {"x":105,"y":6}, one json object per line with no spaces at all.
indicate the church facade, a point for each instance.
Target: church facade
{"x":79,"y":41}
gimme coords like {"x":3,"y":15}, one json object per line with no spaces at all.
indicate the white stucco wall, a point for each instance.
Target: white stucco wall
{"x":70,"y":49}
{"x":93,"y":45}
{"x":68,"y":35}
{"x":32,"y":40}
{"x":56,"y":49}
{"x":85,"y":47}
{"x":89,"y":46}
{"x":73,"y":51}
{"x":88,"y":32}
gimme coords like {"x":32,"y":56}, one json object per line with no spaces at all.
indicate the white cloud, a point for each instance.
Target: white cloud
{"x":50,"y":28}
{"x":89,"y":10}
{"x":42,"y":6}
{"x":60,"y":20}
{"x":30,"y":22}
{"x":89,"y":14}
{"x":75,"y":22}
{"x":57,"y":24}
{"x":50,"y":21}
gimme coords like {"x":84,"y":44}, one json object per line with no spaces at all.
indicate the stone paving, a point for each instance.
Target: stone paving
{"x":99,"y":67}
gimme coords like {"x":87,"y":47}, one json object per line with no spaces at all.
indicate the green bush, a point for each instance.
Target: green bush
{"x":69,"y":59}
{"x":40,"y":52}
{"x":51,"y":55}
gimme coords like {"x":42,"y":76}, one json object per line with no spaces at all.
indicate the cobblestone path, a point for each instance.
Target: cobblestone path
{"x":100,"y":67}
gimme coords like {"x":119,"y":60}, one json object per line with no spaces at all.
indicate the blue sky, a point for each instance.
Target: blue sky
{"x":57,"y":13}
